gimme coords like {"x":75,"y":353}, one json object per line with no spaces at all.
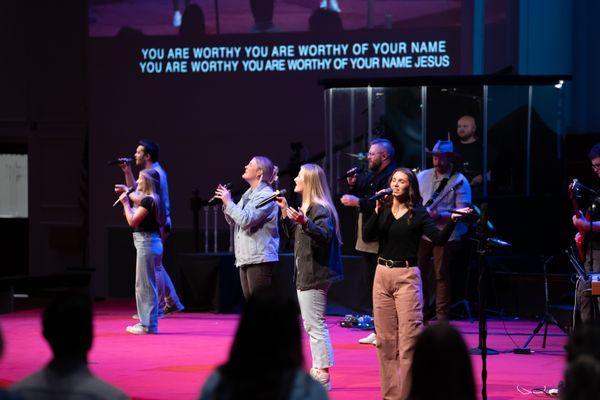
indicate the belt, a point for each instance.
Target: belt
{"x":394,"y":263}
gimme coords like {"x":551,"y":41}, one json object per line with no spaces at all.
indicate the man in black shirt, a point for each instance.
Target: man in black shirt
{"x":589,"y":306}
{"x":360,"y":188}
{"x":470,"y":148}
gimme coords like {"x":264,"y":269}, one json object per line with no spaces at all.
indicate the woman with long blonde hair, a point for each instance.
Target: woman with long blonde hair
{"x":146,"y":221}
{"x":318,"y":263}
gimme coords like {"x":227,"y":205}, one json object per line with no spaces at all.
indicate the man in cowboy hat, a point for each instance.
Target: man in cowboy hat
{"x":442,"y":189}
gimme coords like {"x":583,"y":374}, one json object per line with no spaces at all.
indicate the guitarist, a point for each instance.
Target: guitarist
{"x":589,"y":306}
{"x":441,"y":186}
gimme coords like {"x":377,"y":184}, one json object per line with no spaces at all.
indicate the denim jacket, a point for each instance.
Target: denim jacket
{"x":317,"y":253}
{"x":256,"y":235}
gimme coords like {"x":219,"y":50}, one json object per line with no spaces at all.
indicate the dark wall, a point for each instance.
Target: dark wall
{"x":43,"y":104}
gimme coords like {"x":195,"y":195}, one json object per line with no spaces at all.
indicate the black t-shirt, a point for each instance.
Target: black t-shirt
{"x":471,"y":161}
{"x":399,"y":239}
{"x":148,"y":224}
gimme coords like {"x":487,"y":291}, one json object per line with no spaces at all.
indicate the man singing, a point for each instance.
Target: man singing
{"x":361,"y":187}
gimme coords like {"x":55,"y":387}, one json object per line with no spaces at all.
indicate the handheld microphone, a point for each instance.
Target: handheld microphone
{"x":381,"y":195}
{"x":127,"y":193}
{"x":213,"y":200}
{"x":351,"y":172}
{"x":271,"y":198}
{"x":122,"y":160}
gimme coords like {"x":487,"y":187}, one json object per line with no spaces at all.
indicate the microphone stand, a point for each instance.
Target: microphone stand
{"x":482,"y":239}
{"x":547,"y":319}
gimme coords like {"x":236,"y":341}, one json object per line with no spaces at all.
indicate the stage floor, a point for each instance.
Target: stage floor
{"x":175,"y":363}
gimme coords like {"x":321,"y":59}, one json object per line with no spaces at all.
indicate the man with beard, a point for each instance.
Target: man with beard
{"x":360,"y":188}
{"x":470,"y":148}
{"x":436,"y":184}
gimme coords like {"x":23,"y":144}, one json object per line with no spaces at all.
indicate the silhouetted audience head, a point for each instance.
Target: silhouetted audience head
{"x":585,"y":340}
{"x":582,"y":376}
{"x":323,"y":20}
{"x":193,"y":24}
{"x":67,"y":325}
{"x":1,"y":343}
{"x":262,"y":11}
{"x":582,"y":379}
{"x":266,"y":353}
{"x":441,"y":367}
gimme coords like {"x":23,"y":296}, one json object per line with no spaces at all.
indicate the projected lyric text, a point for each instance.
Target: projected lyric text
{"x":357,"y":56}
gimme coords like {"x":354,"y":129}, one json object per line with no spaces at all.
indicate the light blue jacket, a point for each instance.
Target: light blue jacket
{"x":256,"y":234}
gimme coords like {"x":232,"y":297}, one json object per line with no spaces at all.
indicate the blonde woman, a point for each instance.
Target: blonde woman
{"x":256,"y":236}
{"x":318,"y":262}
{"x":146,"y":221}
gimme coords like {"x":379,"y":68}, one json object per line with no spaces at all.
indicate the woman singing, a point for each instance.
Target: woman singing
{"x":398,"y":223}
{"x":256,"y":239}
{"x":146,"y":221}
{"x":317,"y":258}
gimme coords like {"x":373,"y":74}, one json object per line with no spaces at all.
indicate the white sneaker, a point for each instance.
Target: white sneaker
{"x":323,"y":4}
{"x":322,"y":377}
{"x":177,"y":19}
{"x":371,"y":339}
{"x":138,"y":329}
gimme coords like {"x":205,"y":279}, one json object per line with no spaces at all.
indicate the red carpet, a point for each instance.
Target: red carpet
{"x":175,"y":363}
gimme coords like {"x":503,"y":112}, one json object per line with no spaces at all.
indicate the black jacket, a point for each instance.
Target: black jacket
{"x":317,"y":254}
{"x":368,"y":184}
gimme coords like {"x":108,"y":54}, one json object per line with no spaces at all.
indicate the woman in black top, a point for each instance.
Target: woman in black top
{"x":398,"y":223}
{"x":317,"y":260}
{"x":146,"y":221}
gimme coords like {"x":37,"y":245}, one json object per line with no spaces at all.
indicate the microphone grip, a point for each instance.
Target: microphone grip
{"x":271,"y":198}
{"x":122,"y":160}
{"x":213,"y":200}
{"x":380,"y":195}
{"x":127,"y":193}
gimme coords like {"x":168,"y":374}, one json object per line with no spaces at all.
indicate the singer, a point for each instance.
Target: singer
{"x":318,"y":261}
{"x":146,"y":221}
{"x":146,"y":157}
{"x":398,"y":223}
{"x":256,"y":236}
{"x":360,"y":190}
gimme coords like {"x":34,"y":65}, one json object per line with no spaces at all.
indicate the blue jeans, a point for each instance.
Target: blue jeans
{"x":149,"y":250}
{"x":312,"y":307}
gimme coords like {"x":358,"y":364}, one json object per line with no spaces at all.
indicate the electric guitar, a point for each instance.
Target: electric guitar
{"x":443,"y":194}
{"x":574,"y":187}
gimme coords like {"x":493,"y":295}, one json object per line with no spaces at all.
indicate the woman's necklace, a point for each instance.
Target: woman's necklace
{"x":398,"y":212}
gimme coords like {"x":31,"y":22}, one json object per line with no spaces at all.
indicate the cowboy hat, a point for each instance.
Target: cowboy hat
{"x":443,"y":148}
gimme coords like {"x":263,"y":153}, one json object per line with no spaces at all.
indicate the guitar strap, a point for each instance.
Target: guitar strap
{"x":439,"y":189}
